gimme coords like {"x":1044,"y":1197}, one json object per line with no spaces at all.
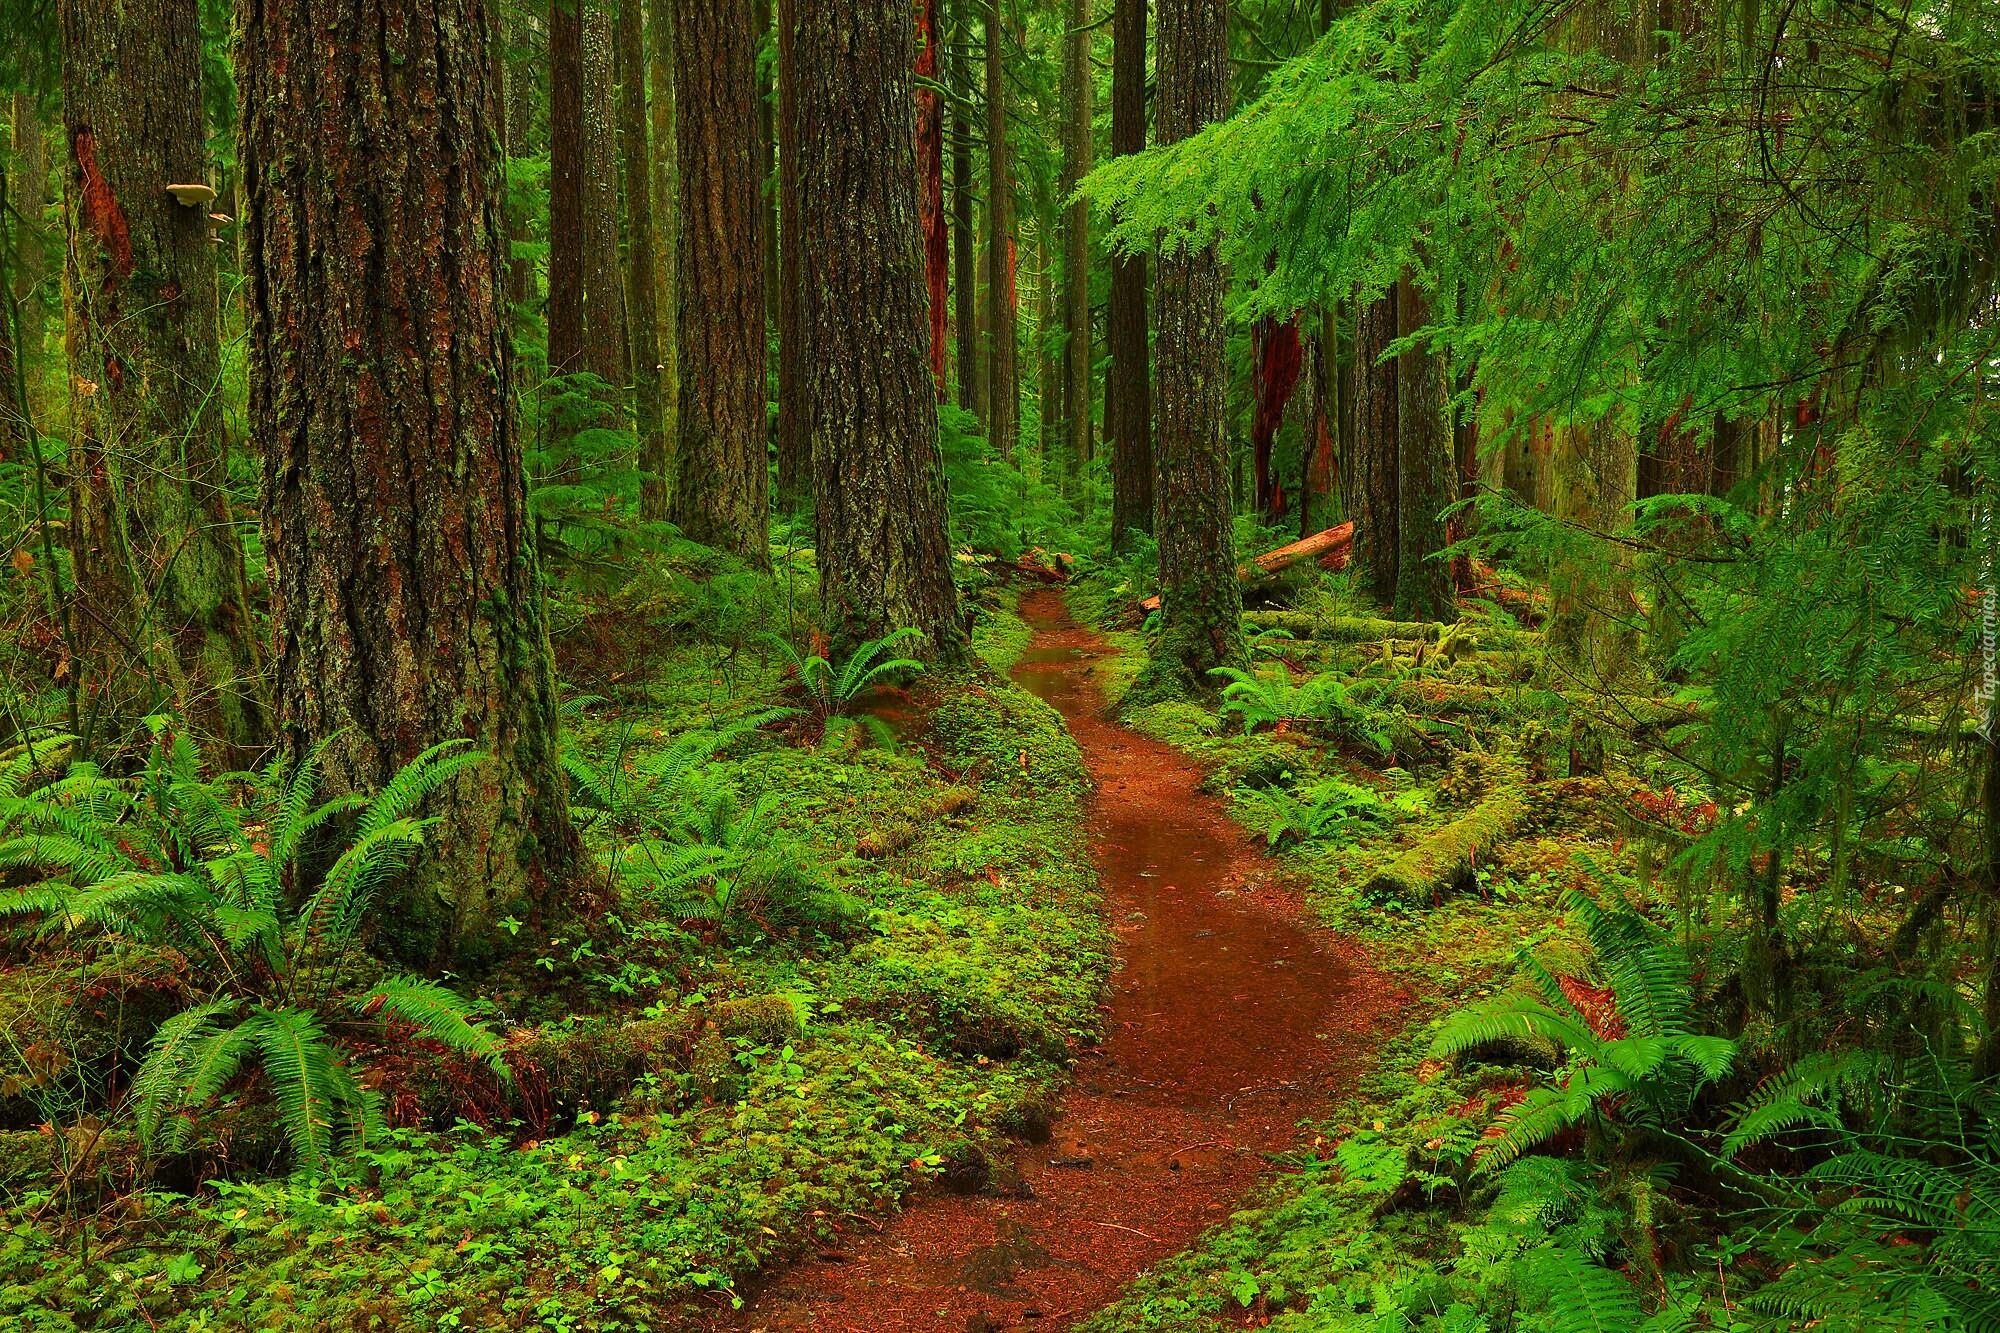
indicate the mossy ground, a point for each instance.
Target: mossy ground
{"x":938,"y":1016}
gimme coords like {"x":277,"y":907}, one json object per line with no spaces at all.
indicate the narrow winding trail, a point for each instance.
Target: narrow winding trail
{"x":1227,"y":1020}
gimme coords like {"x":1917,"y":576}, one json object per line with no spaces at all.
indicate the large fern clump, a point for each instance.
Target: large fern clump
{"x":223,"y":875}
{"x":682,"y":834}
{"x":1640,"y":1062}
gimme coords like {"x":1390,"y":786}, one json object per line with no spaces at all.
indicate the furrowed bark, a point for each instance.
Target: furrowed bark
{"x":1078,"y":81}
{"x":964,"y":262}
{"x":721,"y":492}
{"x":871,"y":402}
{"x":1202,"y":604}
{"x":408,"y":605}
{"x":654,"y":502}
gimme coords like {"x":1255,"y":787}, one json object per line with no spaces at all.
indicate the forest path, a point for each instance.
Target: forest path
{"x":1227,"y":1020}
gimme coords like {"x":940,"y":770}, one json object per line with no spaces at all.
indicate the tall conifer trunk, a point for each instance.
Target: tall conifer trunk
{"x":1200,"y":601}
{"x":641,"y":275}
{"x":1425,"y":476}
{"x":1078,"y":81}
{"x":566,"y":188}
{"x":932,"y":222}
{"x":795,"y":481}
{"x":1369,"y":480}
{"x":964,"y":259}
{"x":1003,"y":393}
{"x":408,"y":606}
{"x":721,"y":489}
{"x":605,"y":352}
{"x":653,"y":502}
{"x":878,"y":480}
{"x":158,"y":568}
{"x":1128,"y":411}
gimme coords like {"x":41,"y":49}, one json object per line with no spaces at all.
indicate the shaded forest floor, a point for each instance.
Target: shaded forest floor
{"x":716,"y":1090}
{"x":1226,"y":1022}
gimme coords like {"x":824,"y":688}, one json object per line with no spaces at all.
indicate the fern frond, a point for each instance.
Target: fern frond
{"x":1510,"y":1016}
{"x":308,"y":1080}
{"x":158,"y":1086}
{"x":414,"y":783}
{"x":1582,"y":1296}
{"x":440,"y":1015}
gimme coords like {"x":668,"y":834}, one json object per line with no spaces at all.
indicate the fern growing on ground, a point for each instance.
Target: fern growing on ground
{"x":220,"y":874}
{"x":1640,"y":1063}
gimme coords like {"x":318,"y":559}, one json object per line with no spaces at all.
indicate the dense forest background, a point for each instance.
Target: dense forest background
{"x":511,"y":808}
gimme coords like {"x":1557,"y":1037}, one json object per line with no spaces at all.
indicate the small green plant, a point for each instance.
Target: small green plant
{"x":1332,"y":809}
{"x":831,"y":691}
{"x":220,"y":874}
{"x":1326,"y":701}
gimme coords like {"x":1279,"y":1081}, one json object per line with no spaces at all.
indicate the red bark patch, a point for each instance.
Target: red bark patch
{"x":101,"y":212}
{"x":930,"y":194}
{"x":1278,"y":354}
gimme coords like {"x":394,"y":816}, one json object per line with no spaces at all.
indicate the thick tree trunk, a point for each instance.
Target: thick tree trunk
{"x":605,"y":353}
{"x":964,"y":259}
{"x":878,"y":479}
{"x":655,"y":502}
{"x":1003,"y":393}
{"x":721,"y":492}
{"x":1201,"y":604}
{"x":795,"y":480}
{"x":1128,"y":410}
{"x":566,"y":188}
{"x":641,"y":271}
{"x":408,"y":606}
{"x":932,"y":222}
{"x":1425,"y":475}
{"x":1594,"y":476}
{"x":158,"y":568}
{"x":1369,"y":478}
{"x":1078,"y":151}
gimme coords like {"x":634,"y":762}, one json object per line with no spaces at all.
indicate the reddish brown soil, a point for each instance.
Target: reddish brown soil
{"x":1228,"y":1020}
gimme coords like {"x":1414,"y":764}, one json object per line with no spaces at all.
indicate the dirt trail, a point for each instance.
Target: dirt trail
{"x":1226,"y":1022}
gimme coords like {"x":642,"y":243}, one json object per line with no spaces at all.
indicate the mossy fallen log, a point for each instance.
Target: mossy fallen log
{"x":1372,"y":629}
{"x":1444,"y":860}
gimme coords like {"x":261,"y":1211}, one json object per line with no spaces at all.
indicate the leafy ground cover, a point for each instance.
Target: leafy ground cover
{"x":836,"y":970}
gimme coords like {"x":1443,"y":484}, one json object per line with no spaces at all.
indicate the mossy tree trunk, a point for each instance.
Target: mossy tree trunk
{"x":408,"y":605}
{"x":641,"y":270}
{"x":1425,"y":476}
{"x":158,"y":566}
{"x":1200,"y":601}
{"x":1369,"y":480}
{"x":871,"y":402}
{"x":1128,"y":408}
{"x":721,"y":489}
{"x":1003,"y":393}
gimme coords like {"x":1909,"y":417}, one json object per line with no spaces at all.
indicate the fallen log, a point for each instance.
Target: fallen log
{"x":1444,"y":860}
{"x":1331,"y":547}
{"x":1369,"y":629}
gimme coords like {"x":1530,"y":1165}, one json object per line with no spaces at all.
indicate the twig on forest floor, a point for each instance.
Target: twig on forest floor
{"x":1116,"y":1226}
